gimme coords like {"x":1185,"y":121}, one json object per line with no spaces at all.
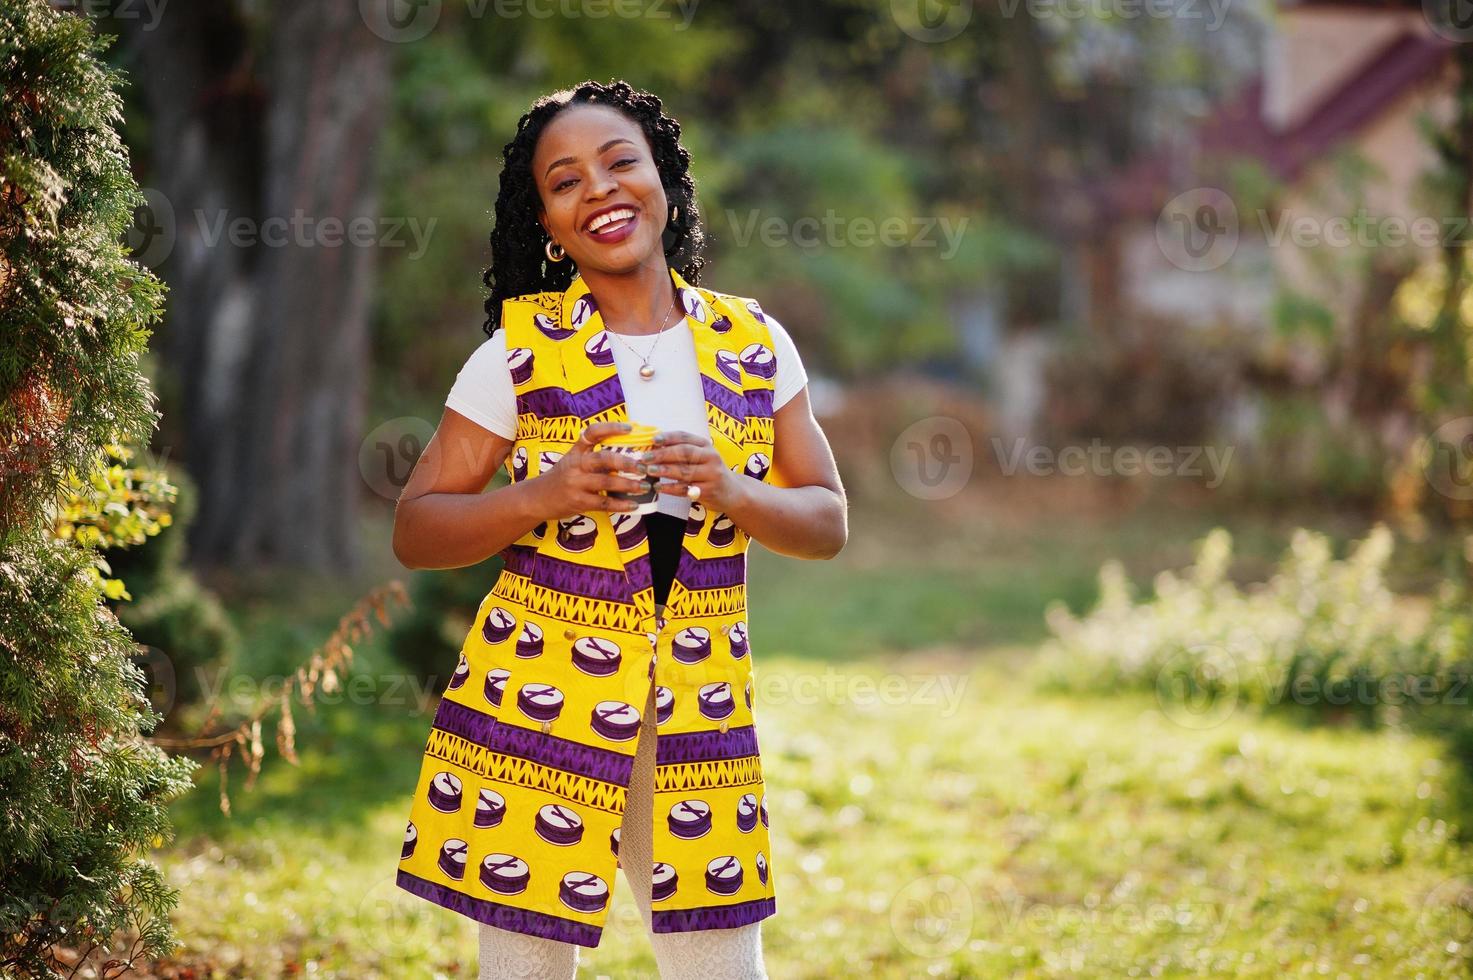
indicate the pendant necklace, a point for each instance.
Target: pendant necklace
{"x":645,"y":371}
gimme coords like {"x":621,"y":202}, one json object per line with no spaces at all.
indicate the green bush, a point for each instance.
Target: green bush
{"x":1322,"y":634}
{"x":186,"y":625}
{"x":85,"y":796}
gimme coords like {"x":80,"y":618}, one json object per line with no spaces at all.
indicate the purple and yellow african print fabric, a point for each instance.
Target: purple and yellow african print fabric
{"x":516,"y":818}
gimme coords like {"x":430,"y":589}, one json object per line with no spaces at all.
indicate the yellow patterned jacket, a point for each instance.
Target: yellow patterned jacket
{"x":521,"y":795}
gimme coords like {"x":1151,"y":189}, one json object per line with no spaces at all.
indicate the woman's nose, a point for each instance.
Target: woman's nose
{"x":605,"y":186}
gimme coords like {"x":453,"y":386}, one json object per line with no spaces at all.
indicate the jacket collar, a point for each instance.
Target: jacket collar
{"x":585,"y":342}
{"x":599,"y":397}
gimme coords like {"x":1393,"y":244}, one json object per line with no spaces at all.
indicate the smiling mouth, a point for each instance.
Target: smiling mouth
{"x":622,"y":219}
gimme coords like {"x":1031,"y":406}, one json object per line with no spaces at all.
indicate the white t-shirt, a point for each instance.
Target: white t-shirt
{"x":672,"y":399}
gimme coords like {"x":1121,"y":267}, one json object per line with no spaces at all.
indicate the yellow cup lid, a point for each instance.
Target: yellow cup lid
{"x":638,"y":436}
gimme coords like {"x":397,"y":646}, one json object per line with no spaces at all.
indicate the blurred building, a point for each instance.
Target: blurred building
{"x":1330,"y":129}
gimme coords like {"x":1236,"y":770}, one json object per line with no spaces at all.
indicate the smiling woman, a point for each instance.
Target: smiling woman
{"x":601,"y":714}
{"x":581,"y":158}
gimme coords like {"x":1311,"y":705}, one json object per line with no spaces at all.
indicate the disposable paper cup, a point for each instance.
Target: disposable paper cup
{"x":631,"y":444}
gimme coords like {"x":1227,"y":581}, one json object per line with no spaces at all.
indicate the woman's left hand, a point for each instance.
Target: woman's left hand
{"x":691,"y":460}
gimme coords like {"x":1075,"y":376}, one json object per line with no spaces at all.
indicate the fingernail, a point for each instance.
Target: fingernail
{"x":646,"y":456}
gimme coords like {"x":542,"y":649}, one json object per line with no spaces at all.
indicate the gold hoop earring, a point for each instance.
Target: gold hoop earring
{"x":674,"y":212}
{"x":549,"y":246}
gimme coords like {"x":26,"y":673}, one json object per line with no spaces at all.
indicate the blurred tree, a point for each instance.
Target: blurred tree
{"x":1435,"y":305}
{"x":809,"y":120}
{"x":263,"y":121}
{"x":82,"y":792}
{"x":795,"y":114}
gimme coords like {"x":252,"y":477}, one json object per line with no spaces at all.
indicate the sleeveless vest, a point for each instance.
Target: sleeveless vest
{"x":516,"y":818}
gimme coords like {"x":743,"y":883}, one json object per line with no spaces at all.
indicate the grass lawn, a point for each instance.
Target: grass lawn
{"x":933,"y":813}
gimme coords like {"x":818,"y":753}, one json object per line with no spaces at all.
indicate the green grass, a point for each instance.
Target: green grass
{"x":1005,"y":831}
{"x":963,"y":825}
{"x":913,"y":578}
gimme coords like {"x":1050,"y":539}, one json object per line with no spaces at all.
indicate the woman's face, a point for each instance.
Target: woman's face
{"x":591,"y":158}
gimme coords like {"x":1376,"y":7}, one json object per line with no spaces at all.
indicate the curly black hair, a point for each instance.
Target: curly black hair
{"x":518,"y":263}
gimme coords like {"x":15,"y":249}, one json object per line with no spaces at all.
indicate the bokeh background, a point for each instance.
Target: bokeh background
{"x":1141,"y":333}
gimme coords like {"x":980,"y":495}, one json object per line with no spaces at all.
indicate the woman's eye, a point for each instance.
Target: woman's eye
{"x":564,"y":183}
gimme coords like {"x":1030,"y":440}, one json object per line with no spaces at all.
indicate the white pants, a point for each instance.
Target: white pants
{"x":704,"y":954}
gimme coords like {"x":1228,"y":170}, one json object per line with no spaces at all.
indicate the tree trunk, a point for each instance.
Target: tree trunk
{"x":265,"y":343}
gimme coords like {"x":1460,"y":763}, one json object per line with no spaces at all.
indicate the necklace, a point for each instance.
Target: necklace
{"x":645,"y":371}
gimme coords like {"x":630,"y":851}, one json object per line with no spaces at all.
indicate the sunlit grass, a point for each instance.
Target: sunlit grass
{"x":933,"y":813}
{"x":955,"y":824}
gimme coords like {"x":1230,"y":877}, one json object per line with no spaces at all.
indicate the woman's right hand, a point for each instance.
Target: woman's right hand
{"x":575,"y":483}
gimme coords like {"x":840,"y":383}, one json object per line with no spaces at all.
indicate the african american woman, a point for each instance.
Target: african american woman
{"x":601,"y":711}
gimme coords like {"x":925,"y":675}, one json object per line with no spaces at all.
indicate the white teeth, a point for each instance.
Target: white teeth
{"x":612,"y":216}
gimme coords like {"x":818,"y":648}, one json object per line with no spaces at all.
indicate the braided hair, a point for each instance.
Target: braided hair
{"x":518,"y":263}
